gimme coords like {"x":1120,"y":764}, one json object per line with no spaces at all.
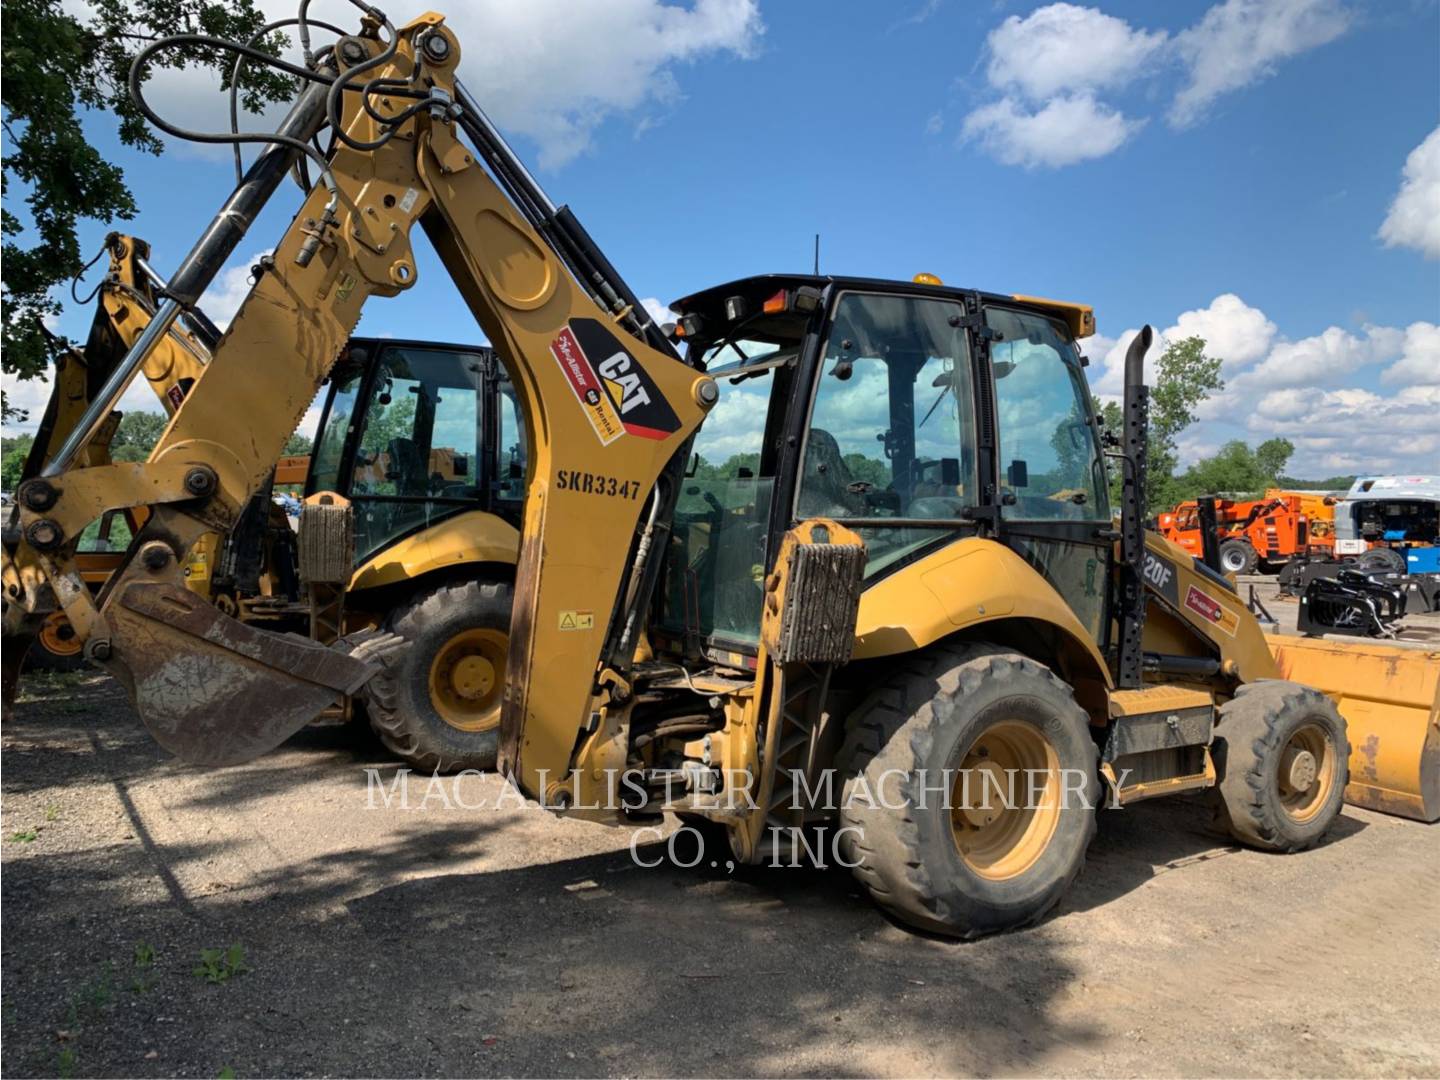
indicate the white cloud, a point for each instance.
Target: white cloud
{"x":1323,"y":358}
{"x":1066,"y":130}
{"x":1414,"y":217}
{"x":1064,"y":48}
{"x":1048,"y":70}
{"x":554,"y":70}
{"x":1298,"y":389}
{"x":658,"y":310}
{"x":1240,"y":41}
{"x":32,"y":395}
{"x":1419,"y":356}
{"x":1233,"y":330}
{"x":228,"y":291}
{"x":550,"y":70}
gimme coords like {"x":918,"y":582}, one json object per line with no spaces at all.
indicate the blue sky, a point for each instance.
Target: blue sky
{"x":1236,"y":161}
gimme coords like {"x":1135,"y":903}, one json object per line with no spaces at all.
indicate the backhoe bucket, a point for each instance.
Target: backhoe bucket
{"x":1390,"y":698}
{"x":214,"y":691}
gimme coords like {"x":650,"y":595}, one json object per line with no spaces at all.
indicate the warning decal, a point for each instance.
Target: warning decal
{"x":577,"y":620}
{"x":617,"y":394}
{"x":1209,"y":608}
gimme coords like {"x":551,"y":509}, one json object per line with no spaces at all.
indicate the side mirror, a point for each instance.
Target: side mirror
{"x":1017,"y":474}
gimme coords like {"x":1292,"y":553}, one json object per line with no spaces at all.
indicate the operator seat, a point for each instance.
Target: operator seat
{"x":825,"y":485}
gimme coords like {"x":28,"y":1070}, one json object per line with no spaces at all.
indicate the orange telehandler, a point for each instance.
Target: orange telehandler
{"x":1261,"y":533}
{"x":886,"y":606}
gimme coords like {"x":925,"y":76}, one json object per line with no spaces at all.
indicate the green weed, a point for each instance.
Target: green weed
{"x":221,"y":965}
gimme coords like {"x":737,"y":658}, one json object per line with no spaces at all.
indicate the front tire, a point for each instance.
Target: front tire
{"x":438,"y":706}
{"x":950,"y":724}
{"x":56,"y":647}
{"x":1238,"y":557}
{"x":1281,"y":754}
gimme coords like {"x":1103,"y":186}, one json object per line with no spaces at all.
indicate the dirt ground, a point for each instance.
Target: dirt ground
{"x":445,"y":940}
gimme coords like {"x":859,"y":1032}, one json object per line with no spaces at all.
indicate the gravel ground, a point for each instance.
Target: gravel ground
{"x":451,"y":941}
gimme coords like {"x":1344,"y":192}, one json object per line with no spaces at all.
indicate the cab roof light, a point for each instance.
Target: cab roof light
{"x":776,"y":304}
{"x":923,"y":278}
{"x":736,"y":308}
{"x":687,"y":326}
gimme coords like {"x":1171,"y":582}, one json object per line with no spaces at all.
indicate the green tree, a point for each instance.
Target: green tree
{"x":137,"y":435}
{"x":1184,"y":377}
{"x":12,"y":460}
{"x":1235,"y":470}
{"x":59,"y":67}
{"x":1330,"y":483}
{"x":298,"y":444}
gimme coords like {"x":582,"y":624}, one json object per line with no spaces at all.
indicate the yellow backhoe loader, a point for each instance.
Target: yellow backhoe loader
{"x":877,"y":598}
{"x":423,"y":439}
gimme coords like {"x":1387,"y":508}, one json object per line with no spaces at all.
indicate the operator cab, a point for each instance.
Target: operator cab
{"x":414,"y":432}
{"x":913,"y":413}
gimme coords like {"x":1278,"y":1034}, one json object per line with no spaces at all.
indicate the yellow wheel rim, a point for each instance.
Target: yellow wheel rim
{"x":1307,"y":772}
{"x":58,"y":638}
{"x":1005,"y":800}
{"x":467,"y":679}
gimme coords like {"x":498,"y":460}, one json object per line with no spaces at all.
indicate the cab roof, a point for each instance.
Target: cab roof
{"x":709,"y":303}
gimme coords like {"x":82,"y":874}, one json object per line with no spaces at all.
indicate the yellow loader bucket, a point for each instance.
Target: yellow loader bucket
{"x":1390,"y":698}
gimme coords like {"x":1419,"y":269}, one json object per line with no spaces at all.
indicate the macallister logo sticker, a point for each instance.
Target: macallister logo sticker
{"x":1212,"y":609}
{"x":617,"y":395}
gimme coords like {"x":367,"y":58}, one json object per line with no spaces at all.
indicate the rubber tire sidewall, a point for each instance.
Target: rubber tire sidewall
{"x":39,"y":658}
{"x":1386,"y":559}
{"x":1252,"y":733}
{"x":928,"y":883}
{"x":428,"y":621}
{"x":1249,"y":555}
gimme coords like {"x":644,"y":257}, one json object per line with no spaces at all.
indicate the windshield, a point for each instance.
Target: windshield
{"x":1050,"y":462}
{"x":892,"y":431}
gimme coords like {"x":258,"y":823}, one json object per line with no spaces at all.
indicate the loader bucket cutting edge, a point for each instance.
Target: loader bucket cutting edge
{"x":1390,"y":698}
{"x":214,"y":691}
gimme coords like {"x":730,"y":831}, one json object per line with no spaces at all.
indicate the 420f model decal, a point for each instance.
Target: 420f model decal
{"x":617,"y":395}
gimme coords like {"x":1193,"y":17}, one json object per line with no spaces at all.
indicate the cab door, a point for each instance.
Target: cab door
{"x":405,"y":437}
{"x":1054,"y":508}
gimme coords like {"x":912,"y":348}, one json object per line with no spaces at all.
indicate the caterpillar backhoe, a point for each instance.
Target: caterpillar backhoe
{"x":876,"y":588}
{"x":422,"y":439}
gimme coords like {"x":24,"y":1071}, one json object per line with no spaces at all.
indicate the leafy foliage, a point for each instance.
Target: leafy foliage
{"x":12,"y":460}
{"x":298,"y":444}
{"x":57,"y":69}
{"x":1235,"y":470}
{"x":136,"y":436}
{"x":1184,"y":377}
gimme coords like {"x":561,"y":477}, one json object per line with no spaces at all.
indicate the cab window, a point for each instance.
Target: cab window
{"x":419,"y":450}
{"x":715,"y":565}
{"x":1050,"y":463}
{"x":892,"y":430}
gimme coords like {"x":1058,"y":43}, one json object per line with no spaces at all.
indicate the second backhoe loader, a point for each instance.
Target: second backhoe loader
{"x":885,"y":604}
{"x":426,"y":444}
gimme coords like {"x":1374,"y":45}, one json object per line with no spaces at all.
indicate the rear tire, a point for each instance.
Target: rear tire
{"x":1237,"y":557}
{"x":438,"y":706}
{"x":1382,"y":560}
{"x":1269,"y":796}
{"x":952,"y":711}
